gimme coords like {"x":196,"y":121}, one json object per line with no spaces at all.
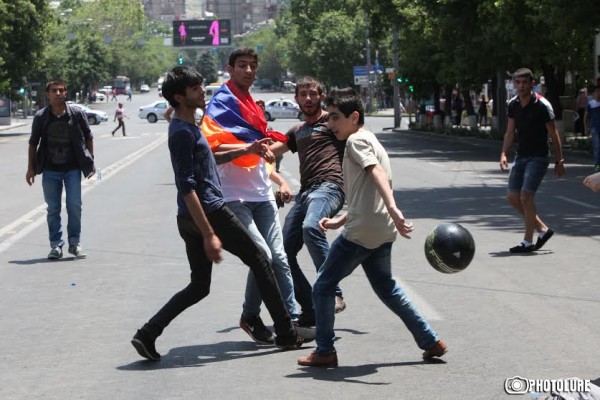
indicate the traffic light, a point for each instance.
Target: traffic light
{"x":400,"y":79}
{"x":180,"y":59}
{"x":22,"y":90}
{"x":411,"y":88}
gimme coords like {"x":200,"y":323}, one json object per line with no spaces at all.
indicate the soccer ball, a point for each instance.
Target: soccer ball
{"x":449,"y":248}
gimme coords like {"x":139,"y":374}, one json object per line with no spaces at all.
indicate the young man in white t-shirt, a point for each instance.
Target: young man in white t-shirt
{"x":370,"y":227}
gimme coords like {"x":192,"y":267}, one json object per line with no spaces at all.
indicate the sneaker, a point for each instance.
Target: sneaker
{"x":522,"y":248}
{"x":315,"y":359}
{"x":307,"y":333}
{"x":437,"y":350}
{"x":77,"y":251}
{"x":56,"y":253}
{"x":144,"y":345}
{"x":257,"y":330}
{"x":541,"y":241}
{"x":340,"y":304}
{"x":306,"y":320}
{"x":289,"y":342}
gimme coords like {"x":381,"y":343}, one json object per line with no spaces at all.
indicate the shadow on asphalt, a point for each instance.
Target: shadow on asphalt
{"x":350,"y":374}
{"x":199,"y":355}
{"x":44,"y":260}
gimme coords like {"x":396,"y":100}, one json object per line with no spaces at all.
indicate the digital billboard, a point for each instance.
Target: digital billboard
{"x":215,"y":32}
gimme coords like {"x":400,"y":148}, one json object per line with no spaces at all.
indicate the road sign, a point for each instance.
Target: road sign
{"x":189,"y":33}
{"x":361,"y":79}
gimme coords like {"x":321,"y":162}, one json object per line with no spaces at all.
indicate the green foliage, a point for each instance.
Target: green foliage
{"x":206,"y":66}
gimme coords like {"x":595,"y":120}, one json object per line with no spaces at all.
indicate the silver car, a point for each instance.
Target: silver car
{"x":155,"y":111}
{"x":94,"y":117}
{"x":282,"y":108}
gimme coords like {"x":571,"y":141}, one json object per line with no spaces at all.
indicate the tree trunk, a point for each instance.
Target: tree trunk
{"x":555,"y":85}
{"x":468,"y":102}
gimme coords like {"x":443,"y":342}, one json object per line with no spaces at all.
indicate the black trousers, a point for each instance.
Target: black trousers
{"x":237,"y":240}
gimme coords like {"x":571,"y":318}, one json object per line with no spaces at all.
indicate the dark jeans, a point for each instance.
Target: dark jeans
{"x":237,"y":240}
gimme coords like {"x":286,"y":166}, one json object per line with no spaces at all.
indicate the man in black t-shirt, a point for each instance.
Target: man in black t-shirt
{"x":532,"y":118}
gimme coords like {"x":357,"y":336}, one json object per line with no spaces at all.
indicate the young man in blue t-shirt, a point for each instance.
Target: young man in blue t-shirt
{"x":204,"y":221}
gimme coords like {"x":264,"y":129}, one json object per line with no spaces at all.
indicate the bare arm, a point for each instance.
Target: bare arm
{"x":228,"y":152}
{"x":559,"y":166}
{"x":30,"y":175}
{"x":509,"y":138}
{"x":278,"y":148}
{"x":380,"y":179}
{"x":212,"y":244}
{"x":284,"y":188}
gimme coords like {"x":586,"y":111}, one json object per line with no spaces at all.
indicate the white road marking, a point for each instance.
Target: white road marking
{"x":579,"y":203}
{"x":36,"y":217}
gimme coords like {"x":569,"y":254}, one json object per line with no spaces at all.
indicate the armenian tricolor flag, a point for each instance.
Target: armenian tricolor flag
{"x":232,"y":118}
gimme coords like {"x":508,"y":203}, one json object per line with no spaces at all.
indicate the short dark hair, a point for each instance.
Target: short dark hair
{"x":309,"y":81}
{"x":177,"y":80}
{"x":523,"y":73}
{"x":58,"y":82}
{"x":347,"y":101}
{"x":244,"y":51}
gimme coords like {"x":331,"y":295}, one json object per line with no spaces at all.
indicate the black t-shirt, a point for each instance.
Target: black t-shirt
{"x":530,"y":125}
{"x":61,"y":155}
{"x":319,"y":152}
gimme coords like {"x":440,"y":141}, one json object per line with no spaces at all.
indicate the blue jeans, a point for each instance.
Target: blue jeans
{"x":262,"y":220}
{"x":52,"y":184}
{"x":301,"y":227}
{"x":595,"y":134}
{"x":343,"y":258}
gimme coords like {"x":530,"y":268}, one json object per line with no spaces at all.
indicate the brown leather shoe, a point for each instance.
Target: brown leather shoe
{"x":315,"y":359}
{"x":437,"y":350}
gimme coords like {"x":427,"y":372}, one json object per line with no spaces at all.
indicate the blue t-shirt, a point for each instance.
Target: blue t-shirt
{"x":194,"y":167}
{"x":593,"y":109}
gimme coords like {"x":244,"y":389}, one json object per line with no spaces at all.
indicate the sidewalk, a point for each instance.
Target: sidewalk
{"x":14,"y":124}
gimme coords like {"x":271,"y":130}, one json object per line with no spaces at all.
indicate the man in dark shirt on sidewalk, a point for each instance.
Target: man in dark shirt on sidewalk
{"x":532,"y":118}
{"x":204,"y":221}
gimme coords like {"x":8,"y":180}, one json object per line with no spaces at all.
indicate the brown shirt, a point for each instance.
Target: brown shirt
{"x":319,"y":152}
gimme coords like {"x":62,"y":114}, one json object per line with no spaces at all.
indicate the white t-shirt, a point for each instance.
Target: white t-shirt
{"x":245,"y":184}
{"x":369,"y":224}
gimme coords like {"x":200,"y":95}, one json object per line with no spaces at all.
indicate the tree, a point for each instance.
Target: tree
{"x":22,"y":31}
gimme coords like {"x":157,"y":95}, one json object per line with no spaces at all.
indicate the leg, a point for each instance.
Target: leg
{"x":73,"y":200}
{"x":343,"y":258}
{"x":378,"y":269}
{"x":237,"y":240}
{"x":52,"y":185}
{"x":595,"y":133}
{"x":292,"y":243}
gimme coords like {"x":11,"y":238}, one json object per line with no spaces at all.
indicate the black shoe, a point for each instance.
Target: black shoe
{"x":291,"y":342}
{"x":521,"y":248}
{"x":306,"y":319}
{"x":144,"y":345}
{"x":257,"y":330}
{"x":542,"y":241}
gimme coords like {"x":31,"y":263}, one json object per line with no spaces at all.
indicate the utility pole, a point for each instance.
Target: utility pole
{"x":397,"y":114}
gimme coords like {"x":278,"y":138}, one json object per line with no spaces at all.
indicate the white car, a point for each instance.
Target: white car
{"x":155,"y":111}
{"x":94,"y":117}
{"x":282,"y":108}
{"x":144,"y":89}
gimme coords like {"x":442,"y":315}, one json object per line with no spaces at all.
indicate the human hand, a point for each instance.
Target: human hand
{"x":592,"y":181}
{"x":212,"y":248}
{"x":330,"y":223}
{"x":404,"y":228}
{"x":30,"y":176}
{"x":503,"y":163}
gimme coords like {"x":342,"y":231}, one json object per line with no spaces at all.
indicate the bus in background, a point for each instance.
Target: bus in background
{"x":121,"y":83}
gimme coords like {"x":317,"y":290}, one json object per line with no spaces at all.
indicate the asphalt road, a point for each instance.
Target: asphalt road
{"x":66,"y":325}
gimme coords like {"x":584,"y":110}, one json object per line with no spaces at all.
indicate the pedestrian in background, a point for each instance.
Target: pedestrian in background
{"x":114,"y":95}
{"x":531,"y":117}
{"x":61,"y":148}
{"x":371,"y":225}
{"x":591,"y":123}
{"x":582,"y":102}
{"x":483,"y":110}
{"x":119,"y":116}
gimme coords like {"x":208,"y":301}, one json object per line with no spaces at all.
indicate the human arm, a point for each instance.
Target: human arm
{"x":509,"y":138}
{"x":332,"y":223}
{"x":210,"y":241}
{"x":30,"y":175}
{"x":228,"y":152}
{"x":380,"y":179}
{"x":592,"y":181}
{"x":278,"y":148}
{"x":559,"y":165}
{"x":284,"y":188}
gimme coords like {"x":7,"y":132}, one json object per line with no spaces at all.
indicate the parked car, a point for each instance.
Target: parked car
{"x":144,"y":89}
{"x":106,"y":90}
{"x":155,"y":111}
{"x":282,"y":108}
{"x":100,"y":97}
{"x":265,"y":84}
{"x":94,"y":116}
